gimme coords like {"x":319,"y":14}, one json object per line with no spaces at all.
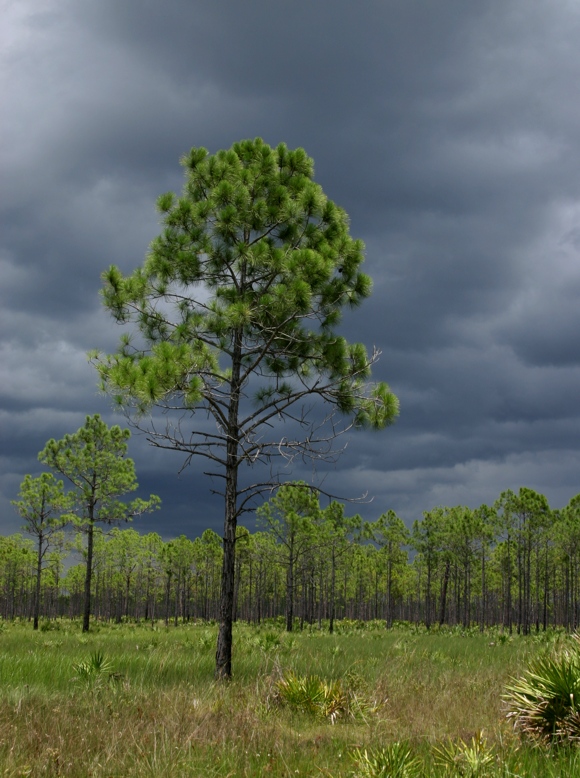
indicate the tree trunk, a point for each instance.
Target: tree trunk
{"x":88,"y":575}
{"x":508,"y":622}
{"x":167,"y":596}
{"x":428,"y":595}
{"x":443,"y":603}
{"x":237,"y":577}
{"x":290,"y":588}
{"x":332,"y":592}
{"x":483,"y":592}
{"x":223,"y":657}
{"x":224,"y":644}
{"x":38,"y":578}
{"x":389,"y":619}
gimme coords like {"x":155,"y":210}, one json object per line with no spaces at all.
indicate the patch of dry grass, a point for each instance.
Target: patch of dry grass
{"x":176,"y":732}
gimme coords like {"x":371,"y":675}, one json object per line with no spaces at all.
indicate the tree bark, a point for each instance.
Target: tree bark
{"x":443,"y":603}
{"x":38,"y":578}
{"x":223,"y":657}
{"x":88,"y":575}
{"x":290,"y":591}
{"x":332,"y":592}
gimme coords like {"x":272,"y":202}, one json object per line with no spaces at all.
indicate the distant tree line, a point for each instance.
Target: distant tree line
{"x":515,"y":564}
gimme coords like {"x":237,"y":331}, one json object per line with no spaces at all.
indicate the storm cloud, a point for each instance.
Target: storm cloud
{"x":450,"y":133}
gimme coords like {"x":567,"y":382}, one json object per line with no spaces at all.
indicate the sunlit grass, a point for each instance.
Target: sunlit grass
{"x":156,"y":709}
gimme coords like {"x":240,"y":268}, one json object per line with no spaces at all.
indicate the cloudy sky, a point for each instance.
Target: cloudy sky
{"x":449,"y":131}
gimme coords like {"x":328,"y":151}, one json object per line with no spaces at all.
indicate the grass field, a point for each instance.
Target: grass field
{"x":132,"y":700}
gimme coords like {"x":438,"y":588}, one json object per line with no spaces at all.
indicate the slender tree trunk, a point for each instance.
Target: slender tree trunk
{"x":428,"y":595}
{"x":528,"y":584}
{"x":567,"y":594}
{"x":546,"y":584}
{"x":331,"y":605}
{"x":89,"y":573}
{"x":260,"y":598}
{"x":250,"y":615}
{"x":167,"y":597}
{"x":56,"y":611}
{"x":466,"y":595}
{"x":127,"y":595}
{"x":575,"y":595}
{"x":147,"y":594}
{"x":38,"y":579}
{"x":389,"y":619}
{"x":443,"y":603}
{"x":303,"y":600}
{"x":223,"y":657}
{"x":176,"y":603}
{"x":237,"y":576}
{"x":483,"y":592}
{"x":537,"y":614}
{"x":521,"y":571}
{"x":509,"y":588}
{"x":290,"y":589}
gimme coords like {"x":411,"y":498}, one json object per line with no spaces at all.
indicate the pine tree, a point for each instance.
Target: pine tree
{"x":236,"y":307}
{"x":43,"y":505}
{"x":94,"y":460}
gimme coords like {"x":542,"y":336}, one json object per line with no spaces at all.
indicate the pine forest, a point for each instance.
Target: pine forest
{"x":515,"y":565}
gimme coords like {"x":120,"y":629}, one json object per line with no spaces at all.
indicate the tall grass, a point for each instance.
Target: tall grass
{"x":155,"y":709}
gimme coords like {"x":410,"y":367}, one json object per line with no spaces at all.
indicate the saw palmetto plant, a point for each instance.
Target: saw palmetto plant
{"x":545,"y":702}
{"x":393,"y":761}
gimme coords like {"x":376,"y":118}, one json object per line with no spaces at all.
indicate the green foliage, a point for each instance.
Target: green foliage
{"x":94,"y":460}
{"x":393,"y":761}
{"x":474,"y":759}
{"x":545,"y":702}
{"x":94,"y":671}
{"x":313,"y":695}
{"x":48,"y":625}
{"x":291,"y":516}
{"x":43,"y":504}
{"x":275,"y":256}
{"x":269,"y":642}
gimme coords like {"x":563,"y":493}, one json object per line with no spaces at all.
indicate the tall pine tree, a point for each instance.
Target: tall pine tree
{"x":236,"y":307}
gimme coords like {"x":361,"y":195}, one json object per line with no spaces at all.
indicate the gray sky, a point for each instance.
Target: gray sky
{"x":449,"y":131}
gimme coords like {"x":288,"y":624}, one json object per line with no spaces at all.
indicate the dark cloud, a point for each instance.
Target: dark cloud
{"x":450,"y":133}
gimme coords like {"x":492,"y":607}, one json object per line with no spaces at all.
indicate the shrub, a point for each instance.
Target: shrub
{"x":471,"y":760}
{"x":93,"y":671}
{"x":268,"y":642}
{"x":545,"y":702}
{"x":328,"y":699}
{"x":393,"y":761}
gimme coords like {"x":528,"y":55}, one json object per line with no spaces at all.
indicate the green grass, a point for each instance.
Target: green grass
{"x":152,"y":707}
